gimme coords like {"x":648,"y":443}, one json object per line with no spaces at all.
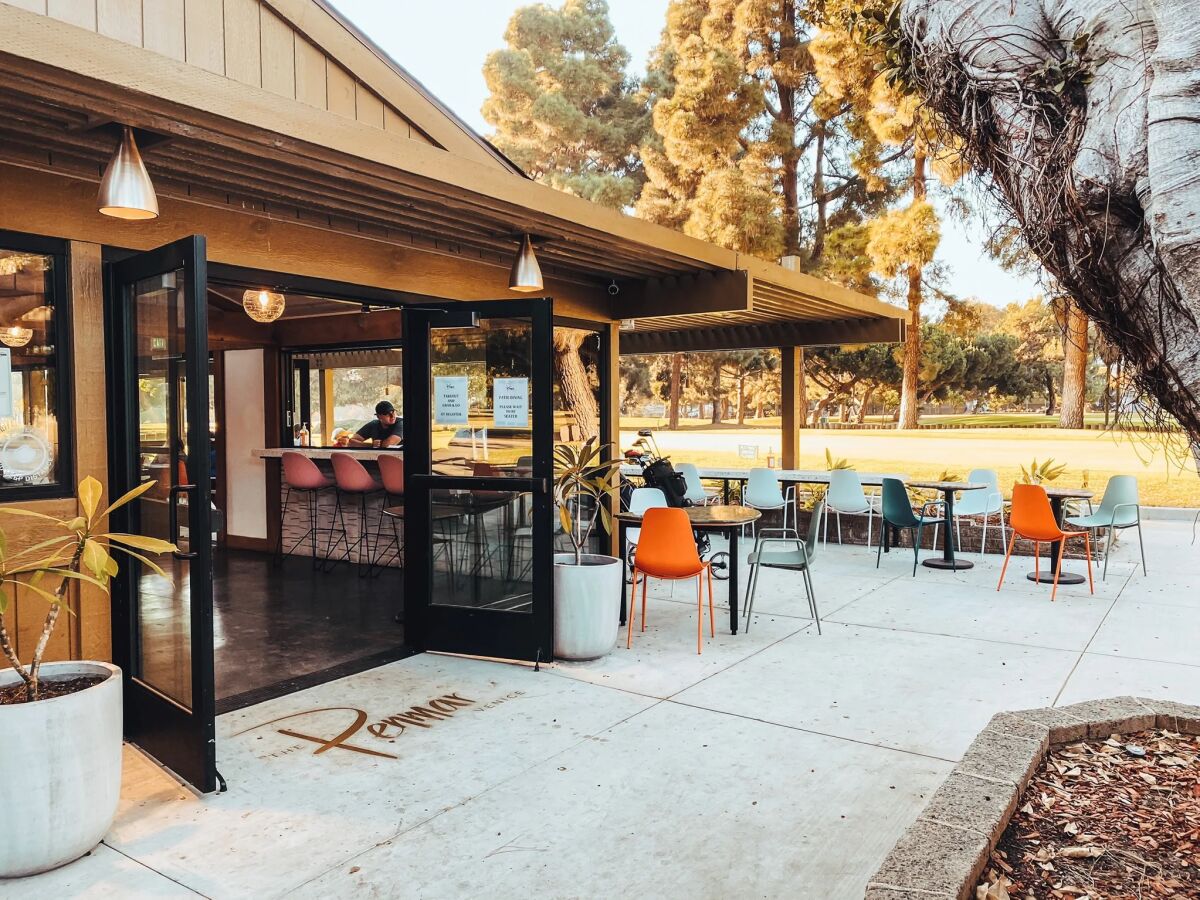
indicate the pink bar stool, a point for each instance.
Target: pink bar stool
{"x":302,"y":475}
{"x":351,"y":477}
{"x":391,"y":473}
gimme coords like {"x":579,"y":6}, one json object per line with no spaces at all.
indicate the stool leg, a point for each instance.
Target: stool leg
{"x":282,"y":518}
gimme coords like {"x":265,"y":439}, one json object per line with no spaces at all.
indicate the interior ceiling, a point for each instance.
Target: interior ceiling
{"x":297,"y":306}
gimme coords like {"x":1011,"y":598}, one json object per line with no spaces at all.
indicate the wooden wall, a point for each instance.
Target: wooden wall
{"x":241,"y":39}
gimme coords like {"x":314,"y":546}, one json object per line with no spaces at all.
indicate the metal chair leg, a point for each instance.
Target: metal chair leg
{"x":750,"y":599}
{"x":811,"y":590}
{"x":1141,"y":546}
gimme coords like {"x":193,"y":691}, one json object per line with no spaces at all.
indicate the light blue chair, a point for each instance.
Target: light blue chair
{"x":641,"y":500}
{"x":763,"y":493}
{"x":846,"y":495}
{"x":696,"y":492}
{"x":798,"y":559}
{"x":984,"y":503}
{"x":1119,"y":509}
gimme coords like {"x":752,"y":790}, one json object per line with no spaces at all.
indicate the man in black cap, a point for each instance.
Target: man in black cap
{"x":385,"y":431}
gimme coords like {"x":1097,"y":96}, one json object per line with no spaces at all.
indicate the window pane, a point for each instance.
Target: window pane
{"x":343,"y":388}
{"x":28,"y":371}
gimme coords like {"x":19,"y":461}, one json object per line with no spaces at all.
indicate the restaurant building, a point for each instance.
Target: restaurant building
{"x":326,"y":231}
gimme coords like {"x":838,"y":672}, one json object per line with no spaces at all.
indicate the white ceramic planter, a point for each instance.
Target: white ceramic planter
{"x":587,"y":605}
{"x":60,"y":770}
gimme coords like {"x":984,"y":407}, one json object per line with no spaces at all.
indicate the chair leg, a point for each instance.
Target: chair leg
{"x":1007,"y":557}
{"x":1037,"y":562}
{"x":1141,"y":546}
{"x":632,"y":611}
{"x":750,"y":589}
{"x":957,"y":532}
{"x":879,"y":552}
{"x":1087,"y":546}
{"x":712,"y":623}
{"x":1062,"y":551}
{"x":811,"y":590}
{"x":870,"y":516}
{"x":645,"y":580}
{"x":916,"y":547}
{"x":699,"y":614}
{"x":839,"y":521}
{"x":282,"y":518}
{"x":825,"y":516}
{"x":983,"y":541}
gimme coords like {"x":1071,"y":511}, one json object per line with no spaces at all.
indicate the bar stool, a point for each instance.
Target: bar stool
{"x":391,"y":473}
{"x":351,"y":477}
{"x":301,"y":474}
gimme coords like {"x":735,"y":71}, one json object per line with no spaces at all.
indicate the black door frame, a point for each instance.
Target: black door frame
{"x":181,"y":738}
{"x":477,"y":632}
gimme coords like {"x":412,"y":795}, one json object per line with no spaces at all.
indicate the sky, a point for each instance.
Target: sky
{"x":443,"y":45}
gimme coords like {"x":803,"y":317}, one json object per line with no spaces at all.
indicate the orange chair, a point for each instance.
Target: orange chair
{"x":1033,"y":519}
{"x":666,"y":549}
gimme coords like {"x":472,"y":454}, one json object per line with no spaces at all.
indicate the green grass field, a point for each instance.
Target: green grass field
{"x":1091,"y":457}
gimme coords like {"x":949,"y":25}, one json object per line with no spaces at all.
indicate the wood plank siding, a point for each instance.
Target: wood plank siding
{"x":245,"y":40}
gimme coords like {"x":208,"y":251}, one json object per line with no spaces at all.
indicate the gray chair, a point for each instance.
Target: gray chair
{"x":1119,"y":509}
{"x":798,"y":558}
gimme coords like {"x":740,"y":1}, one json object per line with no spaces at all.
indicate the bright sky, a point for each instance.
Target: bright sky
{"x":443,"y":44}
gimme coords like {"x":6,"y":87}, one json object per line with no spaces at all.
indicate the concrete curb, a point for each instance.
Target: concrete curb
{"x":943,"y":853}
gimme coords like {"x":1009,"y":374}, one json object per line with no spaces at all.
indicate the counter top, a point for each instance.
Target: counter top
{"x":324,"y":452}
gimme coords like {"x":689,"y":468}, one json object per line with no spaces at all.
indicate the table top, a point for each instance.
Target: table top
{"x":1066,"y":493}
{"x":803,"y":476}
{"x":717,"y":516}
{"x":948,"y":485}
{"x":327,"y":452}
{"x":437,"y":511}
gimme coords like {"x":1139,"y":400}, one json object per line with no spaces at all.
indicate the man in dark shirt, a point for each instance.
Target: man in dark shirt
{"x":385,"y":431}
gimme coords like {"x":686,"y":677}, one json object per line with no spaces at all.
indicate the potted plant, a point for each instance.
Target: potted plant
{"x":60,"y":722}
{"x":587,"y":586}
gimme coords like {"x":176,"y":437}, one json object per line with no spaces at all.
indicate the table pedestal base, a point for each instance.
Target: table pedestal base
{"x":939,"y":562}
{"x":1047,"y":577}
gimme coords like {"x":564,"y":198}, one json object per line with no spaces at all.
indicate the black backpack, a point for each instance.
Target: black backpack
{"x":662,"y":475}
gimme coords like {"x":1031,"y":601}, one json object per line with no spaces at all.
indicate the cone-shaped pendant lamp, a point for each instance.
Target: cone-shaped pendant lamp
{"x":526,"y":273}
{"x":126,"y":191}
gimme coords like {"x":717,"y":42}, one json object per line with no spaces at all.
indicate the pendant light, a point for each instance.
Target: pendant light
{"x":263,"y":305}
{"x":526,"y":273}
{"x":126,"y":191}
{"x":16,"y":336}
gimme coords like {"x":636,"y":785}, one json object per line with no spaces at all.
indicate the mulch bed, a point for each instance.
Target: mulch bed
{"x":1100,"y":820}
{"x":48,"y":687}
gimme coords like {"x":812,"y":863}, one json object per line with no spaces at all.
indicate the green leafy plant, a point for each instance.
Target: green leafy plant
{"x":77,"y":552}
{"x":831,"y":463}
{"x":1039,"y":473}
{"x":579,"y":474}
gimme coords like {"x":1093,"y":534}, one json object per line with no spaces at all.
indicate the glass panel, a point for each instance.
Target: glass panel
{"x":28,"y":371}
{"x":480,"y":382}
{"x":343,"y":388}
{"x":164,"y":604}
{"x":482,"y":549}
{"x":577,"y":408}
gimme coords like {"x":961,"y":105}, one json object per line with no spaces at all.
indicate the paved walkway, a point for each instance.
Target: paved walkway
{"x":779,"y":763}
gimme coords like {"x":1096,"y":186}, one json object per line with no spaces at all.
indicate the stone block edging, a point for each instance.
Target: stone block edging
{"x":942,"y":855}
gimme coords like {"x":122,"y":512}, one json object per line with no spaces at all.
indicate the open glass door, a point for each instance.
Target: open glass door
{"x":163,"y":627}
{"x":478,"y":471}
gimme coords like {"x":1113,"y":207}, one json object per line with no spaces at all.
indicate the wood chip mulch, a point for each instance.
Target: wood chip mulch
{"x":1101,"y":822}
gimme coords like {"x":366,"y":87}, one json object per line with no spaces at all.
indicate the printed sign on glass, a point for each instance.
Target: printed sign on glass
{"x":510,"y":402}
{"x":6,"y":397}
{"x":450,"y":399}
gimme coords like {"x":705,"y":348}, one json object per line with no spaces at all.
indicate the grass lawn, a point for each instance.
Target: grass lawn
{"x":1091,"y":456}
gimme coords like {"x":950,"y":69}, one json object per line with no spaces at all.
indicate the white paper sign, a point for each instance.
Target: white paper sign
{"x":6,"y":400}
{"x":450,"y":399}
{"x":748,"y":451}
{"x":510,"y":402}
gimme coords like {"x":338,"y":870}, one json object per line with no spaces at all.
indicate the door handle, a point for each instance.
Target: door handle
{"x":173,"y":519}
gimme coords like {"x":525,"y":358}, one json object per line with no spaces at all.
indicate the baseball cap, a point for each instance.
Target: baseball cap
{"x":384,"y":408}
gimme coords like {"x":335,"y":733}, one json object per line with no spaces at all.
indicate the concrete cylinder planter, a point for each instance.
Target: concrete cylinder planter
{"x":587,"y":605}
{"x":60,"y":770}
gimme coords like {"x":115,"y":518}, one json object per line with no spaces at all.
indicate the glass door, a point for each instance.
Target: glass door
{"x":163,"y":626}
{"x":478,"y":461}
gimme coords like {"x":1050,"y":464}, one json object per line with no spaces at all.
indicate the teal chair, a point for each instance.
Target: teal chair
{"x":898,"y":512}
{"x":1119,"y":509}
{"x":799,"y":559}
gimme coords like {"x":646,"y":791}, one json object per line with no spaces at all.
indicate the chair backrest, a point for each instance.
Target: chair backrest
{"x":812,"y":539}
{"x":987,"y":500}
{"x":762,"y":489}
{"x":1031,"y":515}
{"x":391,"y":473}
{"x":845,"y":491}
{"x":302,"y":473}
{"x":643,"y":499}
{"x":351,"y":475}
{"x":695,"y":487}
{"x":897,"y":507}
{"x":524,"y":465}
{"x":667,"y":548}
{"x":1120,"y":489}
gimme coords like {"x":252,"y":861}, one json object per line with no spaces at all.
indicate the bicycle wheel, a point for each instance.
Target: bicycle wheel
{"x":719,"y":562}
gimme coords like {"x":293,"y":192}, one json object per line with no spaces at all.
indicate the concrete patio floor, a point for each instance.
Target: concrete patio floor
{"x":780,"y":763}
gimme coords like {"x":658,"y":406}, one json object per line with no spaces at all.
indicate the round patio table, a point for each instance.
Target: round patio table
{"x":1058,"y":496}
{"x":947,"y":560}
{"x":727,"y":520}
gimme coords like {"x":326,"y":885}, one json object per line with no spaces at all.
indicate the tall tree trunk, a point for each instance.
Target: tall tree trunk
{"x":1075,"y":361}
{"x":573,"y":380}
{"x":802,"y":391}
{"x":675,"y":387}
{"x":819,"y":197}
{"x":715,"y":393}
{"x":909,"y":405}
{"x":868,"y":394}
{"x":822,"y":405}
{"x":1049,"y":392}
{"x":790,"y":158}
{"x":741,"y":413}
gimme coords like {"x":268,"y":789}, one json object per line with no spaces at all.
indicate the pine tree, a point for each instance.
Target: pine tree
{"x":563,"y":105}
